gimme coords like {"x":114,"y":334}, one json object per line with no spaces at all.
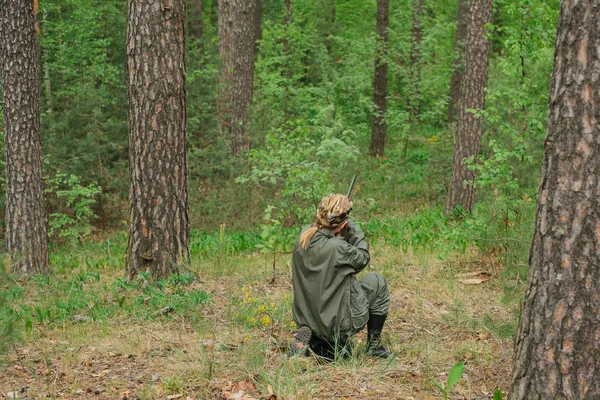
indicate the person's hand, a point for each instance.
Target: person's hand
{"x":343,"y":230}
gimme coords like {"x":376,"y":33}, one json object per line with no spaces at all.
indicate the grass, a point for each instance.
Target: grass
{"x":90,"y":332}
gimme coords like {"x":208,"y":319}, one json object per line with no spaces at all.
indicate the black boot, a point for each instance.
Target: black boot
{"x":374,"y":328}
{"x":301,"y":341}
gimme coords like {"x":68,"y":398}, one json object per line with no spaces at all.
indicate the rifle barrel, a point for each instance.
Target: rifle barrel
{"x":351,"y":187}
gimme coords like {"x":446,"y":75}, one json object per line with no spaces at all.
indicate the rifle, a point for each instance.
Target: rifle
{"x":349,"y":193}
{"x":349,"y":196}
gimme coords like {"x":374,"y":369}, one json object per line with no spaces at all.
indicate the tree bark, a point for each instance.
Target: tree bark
{"x":226,"y":54}
{"x":414,"y":98}
{"x":467,"y":142}
{"x":379,"y":127}
{"x":462,"y":22}
{"x":194,"y":21}
{"x":158,"y":196}
{"x":246,"y":31}
{"x":557,"y":354}
{"x":21,"y":63}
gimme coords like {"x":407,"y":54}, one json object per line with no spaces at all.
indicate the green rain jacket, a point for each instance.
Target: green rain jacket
{"x":327,"y":296}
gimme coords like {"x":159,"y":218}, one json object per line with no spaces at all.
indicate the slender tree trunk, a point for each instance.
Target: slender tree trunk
{"x":246,"y":28}
{"x":287,"y":70}
{"x":326,"y":13}
{"x":379,"y":127}
{"x":557,"y":354}
{"x":462,"y":22}
{"x":194,"y":21}
{"x":226,"y":54}
{"x":469,"y":131}
{"x":414,"y":98}
{"x":21,"y":67}
{"x":158,"y":196}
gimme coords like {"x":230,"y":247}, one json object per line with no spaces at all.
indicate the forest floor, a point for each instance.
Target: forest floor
{"x":234,"y":347}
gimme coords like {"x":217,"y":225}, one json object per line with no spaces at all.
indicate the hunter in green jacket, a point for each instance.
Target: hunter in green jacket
{"x":330,"y":304}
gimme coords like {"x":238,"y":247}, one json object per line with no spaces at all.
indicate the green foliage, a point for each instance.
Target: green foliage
{"x":9,"y":330}
{"x":454,"y":376}
{"x":84,"y":109}
{"x":86,"y":296}
{"x":297,"y":161}
{"x":74,"y":214}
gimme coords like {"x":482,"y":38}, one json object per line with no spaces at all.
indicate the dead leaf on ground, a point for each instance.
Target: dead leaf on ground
{"x":482,"y":274}
{"x":473,"y":281}
{"x":271,"y":394}
{"x":238,"y":390}
{"x":174,"y":396}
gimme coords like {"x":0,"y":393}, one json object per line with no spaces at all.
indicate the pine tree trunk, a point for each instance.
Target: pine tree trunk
{"x":194,"y":21}
{"x":21,"y":67}
{"x":379,"y":127}
{"x":226,"y":54}
{"x":158,"y":196}
{"x":414,"y":98}
{"x":286,"y":71}
{"x":557,"y":353}
{"x":462,"y":22}
{"x":326,"y":22}
{"x":246,"y":28}
{"x":467,"y":142}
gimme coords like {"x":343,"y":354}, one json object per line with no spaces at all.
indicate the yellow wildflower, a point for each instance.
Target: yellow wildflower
{"x":265,"y":321}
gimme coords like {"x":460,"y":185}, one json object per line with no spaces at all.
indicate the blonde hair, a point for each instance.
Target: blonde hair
{"x":307,"y":235}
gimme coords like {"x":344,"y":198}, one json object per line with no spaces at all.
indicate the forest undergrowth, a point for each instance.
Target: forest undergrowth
{"x":221,"y":328}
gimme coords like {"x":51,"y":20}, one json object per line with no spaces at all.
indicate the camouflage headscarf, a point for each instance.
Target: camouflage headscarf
{"x":333,"y":211}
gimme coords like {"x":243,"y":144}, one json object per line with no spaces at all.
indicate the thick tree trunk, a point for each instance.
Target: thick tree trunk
{"x":557,"y":354}
{"x":414,"y":98}
{"x":469,"y":131}
{"x":379,"y":127}
{"x":226,"y":54}
{"x":462,"y":22}
{"x":158,"y":196}
{"x":21,"y":63}
{"x":246,"y":28}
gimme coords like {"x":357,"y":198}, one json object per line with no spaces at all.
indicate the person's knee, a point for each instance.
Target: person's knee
{"x":378,"y":281}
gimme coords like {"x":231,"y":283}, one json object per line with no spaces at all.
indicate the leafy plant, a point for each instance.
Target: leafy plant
{"x":9,"y":332}
{"x":75,"y":214}
{"x":297,"y":161}
{"x":454,"y":376}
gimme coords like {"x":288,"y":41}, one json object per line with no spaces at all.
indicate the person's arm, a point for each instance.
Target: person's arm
{"x":355,"y":236}
{"x":354,"y":252}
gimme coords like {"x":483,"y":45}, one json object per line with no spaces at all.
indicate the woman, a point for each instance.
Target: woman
{"x":330,"y":304}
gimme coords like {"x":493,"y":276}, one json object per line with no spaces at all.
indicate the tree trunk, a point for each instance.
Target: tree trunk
{"x":557,"y":354}
{"x":194,"y":21}
{"x":379,"y":127}
{"x":469,"y":131}
{"x":21,"y":63}
{"x":158,"y":196}
{"x":226,"y":53}
{"x":326,"y":21}
{"x":246,"y":28}
{"x":462,"y":22}
{"x":286,"y":71}
{"x":414,"y":98}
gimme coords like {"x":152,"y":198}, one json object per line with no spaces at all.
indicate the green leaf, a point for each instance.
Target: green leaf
{"x":498,"y":395}
{"x":439,"y":385}
{"x":454,"y":375}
